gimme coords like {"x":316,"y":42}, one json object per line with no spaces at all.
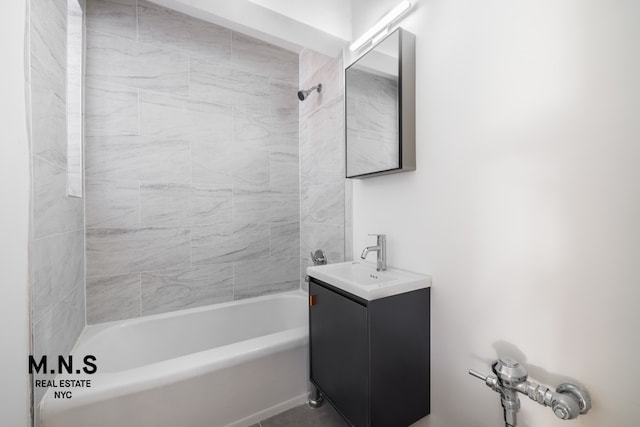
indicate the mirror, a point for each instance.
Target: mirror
{"x":380,"y":108}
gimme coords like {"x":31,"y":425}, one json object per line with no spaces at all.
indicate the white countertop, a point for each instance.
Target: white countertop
{"x":362,"y":279}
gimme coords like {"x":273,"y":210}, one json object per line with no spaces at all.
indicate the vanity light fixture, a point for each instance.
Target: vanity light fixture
{"x":382,"y":27}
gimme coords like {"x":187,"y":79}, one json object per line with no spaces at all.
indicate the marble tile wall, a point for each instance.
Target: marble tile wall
{"x":192,"y":176}
{"x":324,"y":191}
{"x":57,"y":223}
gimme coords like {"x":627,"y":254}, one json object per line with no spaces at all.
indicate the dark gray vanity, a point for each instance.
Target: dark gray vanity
{"x":370,"y":357}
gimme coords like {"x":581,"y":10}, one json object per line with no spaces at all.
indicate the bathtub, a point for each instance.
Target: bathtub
{"x":230,"y":364}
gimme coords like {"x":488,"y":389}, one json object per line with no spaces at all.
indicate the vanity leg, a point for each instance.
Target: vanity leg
{"x":315,"y":397}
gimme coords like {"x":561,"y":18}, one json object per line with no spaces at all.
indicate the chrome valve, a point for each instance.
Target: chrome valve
{"x":567,"y":402}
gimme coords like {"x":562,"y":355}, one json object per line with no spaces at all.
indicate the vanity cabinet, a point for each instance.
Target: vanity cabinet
{"x":370,"y":359}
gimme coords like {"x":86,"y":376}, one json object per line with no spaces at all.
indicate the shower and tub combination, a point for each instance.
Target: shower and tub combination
{"x":194,"y":200}
{"x":182,"y":272}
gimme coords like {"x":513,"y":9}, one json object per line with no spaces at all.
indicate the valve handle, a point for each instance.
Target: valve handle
{"x":489,"y":380}
{"x":478,"y":375}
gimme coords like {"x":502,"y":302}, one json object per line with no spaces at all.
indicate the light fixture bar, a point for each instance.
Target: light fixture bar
{"x":383,"y":23}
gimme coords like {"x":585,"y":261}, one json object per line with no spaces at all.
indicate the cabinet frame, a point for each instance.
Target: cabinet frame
{"x":398,"y":357}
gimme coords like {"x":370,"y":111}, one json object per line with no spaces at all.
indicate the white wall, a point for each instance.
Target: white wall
{"x":331,"y":16}
{"x":525,"y":205}
{"x":14,"y":223}
{"x":267,"y":23}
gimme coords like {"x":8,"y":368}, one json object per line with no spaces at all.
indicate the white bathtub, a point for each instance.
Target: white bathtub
{"x":230,"y":364}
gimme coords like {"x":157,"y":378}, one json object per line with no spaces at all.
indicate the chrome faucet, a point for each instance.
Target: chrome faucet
{"x":381,"y":249}
{"x":567,"y":402}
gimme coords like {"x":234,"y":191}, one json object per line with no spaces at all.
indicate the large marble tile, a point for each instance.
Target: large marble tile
{"x":169,"y":290}
{"x":58,"y":268}
{"x":120,"y":60}
{"x":223,"y":243}
{"x":164,"y":204}
{"x":285,"y":205}
{"x":284,"y":170}
{"x":212,"y":163}
{"x":113,"y":298}
{"x":265,"y":276}
{"x":285,"y":240}
{"x":48,"y":40}
{"x":322,"y":138}
{"x":323,"y":203}
{"x":284,"y":94}
{"x":210,"y":204}
{"x":54,"y":212}
{"x":110,"y":109}
{"x":137,"y":158}
{"x":275,"y":129}
{"x":42,"y":331}
{"x":184,"y":204}
{"x":115,"y":251}
{"x":327,"y":71}
{"x":251,"y":167}
{"x":186,"y":119}
{"x":258,"y":204}
{"x":328,"y":237}
{"x":112,"y":203}
{"x":116,"y":17}
{"x":48,"y":113}
{"x":226,"y":164}
{"x":252,"y":54}
{"x":68,"y":322}
{"x":284,"y":136}
{"x":252,"y":204}
{"x":222,"y":83}
{"x":251,"y":127}
{"x":41,"y":278}
{"x":310,"y":62}
{"x":310,"y":175}
{"x":182,"y":33}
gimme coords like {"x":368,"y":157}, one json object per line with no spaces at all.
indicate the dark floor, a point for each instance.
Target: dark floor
{"x":304,"y":416}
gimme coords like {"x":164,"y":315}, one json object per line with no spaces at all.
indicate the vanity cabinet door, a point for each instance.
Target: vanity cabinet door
{"x":339,"y":352}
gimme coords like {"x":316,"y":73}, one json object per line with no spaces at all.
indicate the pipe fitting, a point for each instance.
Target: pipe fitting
{"x":567,"y":402}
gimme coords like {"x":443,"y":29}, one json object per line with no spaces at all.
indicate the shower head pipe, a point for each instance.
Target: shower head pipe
{"x":304,"y":94}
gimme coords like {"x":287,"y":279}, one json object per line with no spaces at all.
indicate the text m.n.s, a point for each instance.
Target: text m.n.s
{"x":64,"y":366}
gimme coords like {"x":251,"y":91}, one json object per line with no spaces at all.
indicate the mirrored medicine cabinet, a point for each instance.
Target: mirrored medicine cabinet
{"x":380,"y":108}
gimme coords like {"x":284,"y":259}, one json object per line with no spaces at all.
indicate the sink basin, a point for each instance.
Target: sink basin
{"x":362,"y":279}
